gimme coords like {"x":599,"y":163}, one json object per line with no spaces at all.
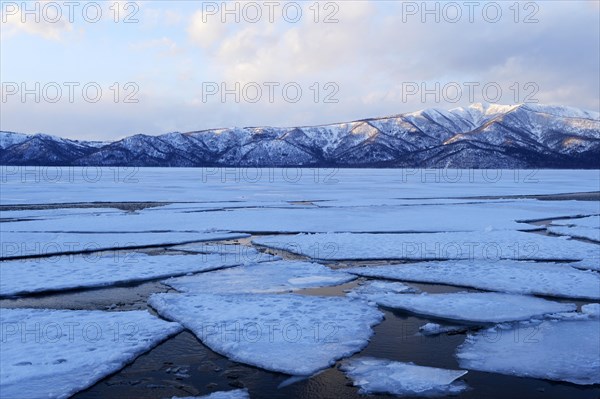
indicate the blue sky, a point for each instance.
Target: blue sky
{"x":371,"y":59}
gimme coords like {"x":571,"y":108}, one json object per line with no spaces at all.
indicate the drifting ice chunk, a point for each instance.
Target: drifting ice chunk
{"x":403,"y":379}
{"x":591,"y":309}
{"x":430,"y":329}
{"x":261,"y":278}
{"x":561,"y":350}
{"x":55,"y":353}
{"x":480,"y":307}
{"x":492,"y":245}
{"x":505,"y":275}
{"x":235,"y":394}
{"x":20,"y":277}
{"x":287,"y":333}
{"x":20,"y":244}
{"x":381,"y":287}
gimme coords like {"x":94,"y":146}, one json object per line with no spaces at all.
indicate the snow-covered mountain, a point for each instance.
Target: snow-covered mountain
{"x":478,"y":136}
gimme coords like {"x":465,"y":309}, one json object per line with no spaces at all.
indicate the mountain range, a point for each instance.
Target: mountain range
{"x":478,"y":136}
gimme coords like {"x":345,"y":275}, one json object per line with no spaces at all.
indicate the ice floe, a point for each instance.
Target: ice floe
{"x":561,"y":350}
{"x":505,"y":275}
{"x":287,"y":333}
{"x":479,"y":307}
{"x":22,"y":244}
{"x":491,"y":245}
{"x":403,"y":379}
{"x":269,"y":277}
{"x":19,"y":277}
{"x":56,"y":353}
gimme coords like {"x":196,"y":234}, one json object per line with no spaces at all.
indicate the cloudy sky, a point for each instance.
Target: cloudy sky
{"x":107,"y":69}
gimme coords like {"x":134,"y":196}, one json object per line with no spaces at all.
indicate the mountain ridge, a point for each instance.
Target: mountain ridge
{"x":477,"y":136}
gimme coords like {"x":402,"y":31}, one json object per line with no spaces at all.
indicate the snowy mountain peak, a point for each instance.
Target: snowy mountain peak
{"x":477,"y":136}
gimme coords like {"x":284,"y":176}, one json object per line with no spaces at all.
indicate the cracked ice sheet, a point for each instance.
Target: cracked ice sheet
{"x":489,"y":246}
{"x":479,"y":307}
{"x":267,"y":277}
{"x":560,"y":350}
{"x":21,"y":277}
{"x":505,"y":275}
{"x":374,"y":375}
{"x":432,"y":218}
{"x":17,"y":244}
{"x":287,"y":333}
{"x":56,"y":353}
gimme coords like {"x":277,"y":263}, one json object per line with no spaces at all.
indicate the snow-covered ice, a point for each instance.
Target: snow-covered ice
{"x":287,"y":333}
{"x":479,"y":307}
{"x":19,"y":244}
{"x":536,"y":278}
{"x":56,"y":353}
{"x":374,"y":375}
{"x":268,"y":277}
{"x":561,"y":350}
{"x":19,"y":277}
{"x":491,"y":245}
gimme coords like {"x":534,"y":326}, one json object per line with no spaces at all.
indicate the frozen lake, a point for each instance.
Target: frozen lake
{"x":301,"y":283}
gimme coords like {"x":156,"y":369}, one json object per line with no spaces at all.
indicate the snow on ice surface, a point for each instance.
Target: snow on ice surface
{"x":19,"y":244}
{"x":498,"y":215}
{"x":235,"y":394}
{"x":267,"y":277}
{"x":489,"y":246}
{"x":479,"y":307}
{"x":505,"y":275}
{"x":20,"y":277}
{"x":287,"y":333}
{"x":403,"y":379}
{"x":560,"y":350}
{"x":56,"y":353}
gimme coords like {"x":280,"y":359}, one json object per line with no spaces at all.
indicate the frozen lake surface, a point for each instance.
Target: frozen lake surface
{"x":275,"y":283}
